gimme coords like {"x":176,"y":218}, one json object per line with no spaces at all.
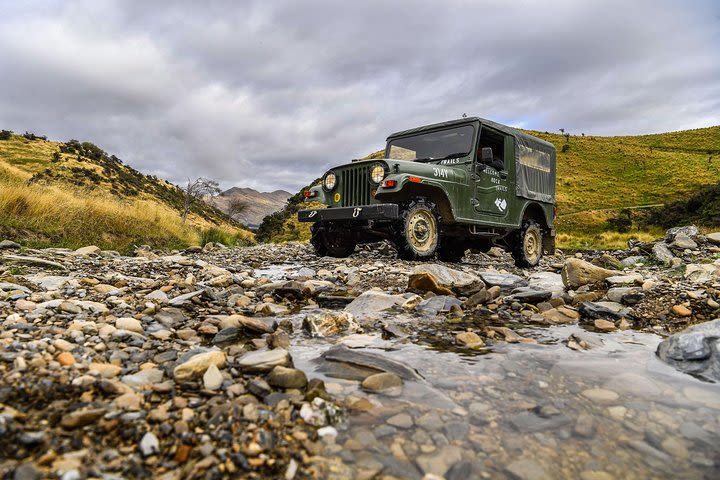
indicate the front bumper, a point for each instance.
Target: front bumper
{"x":382,"y":211}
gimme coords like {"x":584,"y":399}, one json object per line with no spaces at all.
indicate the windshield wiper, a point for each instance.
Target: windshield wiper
{"x":449,"y":155}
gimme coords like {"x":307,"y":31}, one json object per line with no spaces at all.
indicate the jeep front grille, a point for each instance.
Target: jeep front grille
{"x":355,"y":186}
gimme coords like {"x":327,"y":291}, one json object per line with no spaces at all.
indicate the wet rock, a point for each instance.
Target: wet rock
{"x":532,"y":421}
{"x":197,"y":364}
{"x":264,"y":360}
{"x":371,"y":305}
{"x":625,"y":295}
{"x":527,"y":469}
{"x":576,"y":273}
{"x":443,"y":280}
{"x":469,"y":339}
{"x":385,"y":383}
{"x":583,"y":341}
{"x":284,"y":377}
{"x":438,"y":304}
{"x":358,"y":365}
{"x":330,"y":323}
{"x":695,"y":350}
{"x":560,"y":315}
{"x":278,"y":339}
{"x":600,"y":395}
{"x":401,"y":420}
{"x":604,"y":325}
{"x":439,"y":462}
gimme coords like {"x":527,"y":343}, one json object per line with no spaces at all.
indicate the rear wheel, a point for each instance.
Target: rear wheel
{"x":527,"y":245}
{"x":332,"y":241}
{"x":419,"y":231}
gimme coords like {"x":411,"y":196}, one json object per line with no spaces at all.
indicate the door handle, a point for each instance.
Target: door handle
{"x":503,"y":175}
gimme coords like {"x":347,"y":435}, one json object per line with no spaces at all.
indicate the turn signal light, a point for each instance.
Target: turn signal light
{"x":309,"y":194}
{"x":415,"y":179}
{"x":389,"y":183}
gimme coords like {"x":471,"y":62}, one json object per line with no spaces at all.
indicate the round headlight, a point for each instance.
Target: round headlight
{"x":330,"y":181}
{"x":377,"y":174}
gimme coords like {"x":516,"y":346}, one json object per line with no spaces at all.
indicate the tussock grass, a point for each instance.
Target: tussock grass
{"x":41,"y":215}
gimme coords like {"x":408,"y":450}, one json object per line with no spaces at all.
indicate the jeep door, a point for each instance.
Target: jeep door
{"x":492,"y":182}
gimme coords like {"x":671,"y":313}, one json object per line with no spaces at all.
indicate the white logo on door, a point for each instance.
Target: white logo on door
{"x":501,"y":204}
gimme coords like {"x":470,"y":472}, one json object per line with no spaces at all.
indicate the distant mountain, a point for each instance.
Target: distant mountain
{"x":259,"y":204}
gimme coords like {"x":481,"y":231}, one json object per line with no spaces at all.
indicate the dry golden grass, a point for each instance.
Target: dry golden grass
{"x":53,"y":215}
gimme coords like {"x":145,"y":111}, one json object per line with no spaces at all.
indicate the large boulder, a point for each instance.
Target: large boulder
{"x":576,"y":273}
{"x":695,"y":350}
{"x":371,"y":305}
{"x":690,"y":231}
{"x":443,"y":280}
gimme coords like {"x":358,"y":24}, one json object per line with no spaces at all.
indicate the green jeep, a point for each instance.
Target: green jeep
{"x":442,"y":189}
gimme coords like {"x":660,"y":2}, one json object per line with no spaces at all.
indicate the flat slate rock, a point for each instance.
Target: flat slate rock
{"x":363,"y":364}
{"x":502,"y":280}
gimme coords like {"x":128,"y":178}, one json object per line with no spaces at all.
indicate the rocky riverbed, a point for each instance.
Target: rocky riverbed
{"x":267,"y":362}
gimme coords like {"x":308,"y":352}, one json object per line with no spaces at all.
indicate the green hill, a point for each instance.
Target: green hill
{"x":598,"y":178}
{"x":73,"y":194}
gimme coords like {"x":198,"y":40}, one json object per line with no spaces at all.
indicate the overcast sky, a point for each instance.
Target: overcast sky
{"x":269,"y":94}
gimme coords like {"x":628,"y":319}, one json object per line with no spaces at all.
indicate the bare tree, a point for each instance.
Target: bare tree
{"x":195,"y":190}
{"x":236,"y":207}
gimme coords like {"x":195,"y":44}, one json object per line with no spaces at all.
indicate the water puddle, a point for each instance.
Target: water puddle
{"x":525,"y":410}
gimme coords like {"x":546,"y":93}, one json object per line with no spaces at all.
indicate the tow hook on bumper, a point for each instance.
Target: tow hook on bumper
{"x":367,"y":212}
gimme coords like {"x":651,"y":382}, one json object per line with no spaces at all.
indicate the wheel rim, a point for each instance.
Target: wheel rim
{"x":421,"y":231}
{"x":531,"y":246}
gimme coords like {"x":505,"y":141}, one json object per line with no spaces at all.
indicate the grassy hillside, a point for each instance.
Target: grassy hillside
{"x":600,"y":177}
{"x":73,"y":194}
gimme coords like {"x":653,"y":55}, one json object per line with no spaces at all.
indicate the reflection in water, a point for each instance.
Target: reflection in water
{"x":527,"y":411}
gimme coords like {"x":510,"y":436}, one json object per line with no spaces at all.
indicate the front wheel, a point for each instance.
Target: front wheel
{"x":527,"y":245}
{"x":332,"y":242}
{"x":419,"y":235}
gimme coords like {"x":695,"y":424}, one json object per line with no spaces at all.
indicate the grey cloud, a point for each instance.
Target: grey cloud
{"x":269,"y":94}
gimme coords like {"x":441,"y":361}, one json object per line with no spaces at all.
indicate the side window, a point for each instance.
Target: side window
{"x":496,"y":141}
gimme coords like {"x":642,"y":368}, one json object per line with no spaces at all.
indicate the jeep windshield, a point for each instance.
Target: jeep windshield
{"x":435,"y":145}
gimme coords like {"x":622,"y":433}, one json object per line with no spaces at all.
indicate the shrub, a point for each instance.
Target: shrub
{"x":5,"y":134}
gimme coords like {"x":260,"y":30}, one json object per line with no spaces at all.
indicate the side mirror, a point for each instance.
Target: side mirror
{"x":487,"y":155}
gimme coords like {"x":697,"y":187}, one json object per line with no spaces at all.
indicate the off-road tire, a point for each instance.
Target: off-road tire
{"x":418,"y":234}
{"x":330,"y":242}
{"x":527,"y":246}
{"x":451,"y":249}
